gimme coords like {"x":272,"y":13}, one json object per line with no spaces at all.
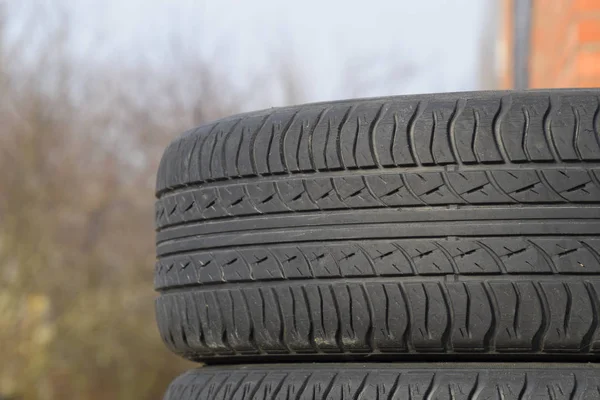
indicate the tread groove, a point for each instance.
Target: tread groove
{"x":411,"y":132}
{"x":540,"y":337}
{"x":547,"y":130}
{"x":587,"y":340}
{"x":206,"y":139}
{"x":349,"y":112}
{"x":282,"y":152}
{"x":498,"y":119}
{"x":372,"y":136}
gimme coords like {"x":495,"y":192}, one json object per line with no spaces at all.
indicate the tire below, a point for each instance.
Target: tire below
{"x":389,"y":382}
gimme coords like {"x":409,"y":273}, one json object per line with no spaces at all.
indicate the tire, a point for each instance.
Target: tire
{"x":455,"y":226}
{"x":389,"y":382}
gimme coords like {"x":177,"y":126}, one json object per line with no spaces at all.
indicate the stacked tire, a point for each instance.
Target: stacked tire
{"x":439,"y":246}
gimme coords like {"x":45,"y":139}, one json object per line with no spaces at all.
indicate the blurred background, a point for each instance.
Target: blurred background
{"x":92,"y":91}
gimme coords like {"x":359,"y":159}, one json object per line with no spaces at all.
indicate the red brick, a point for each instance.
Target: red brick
{"x":565,"y":78}
{"x":587,"y":83}
{"x":588,"y":30}
{"x":553,"y":39}
{"x":588,"y":63}
{"x":585,"y":6}
{"x":564,"y":53}
{"x":565,"y":43}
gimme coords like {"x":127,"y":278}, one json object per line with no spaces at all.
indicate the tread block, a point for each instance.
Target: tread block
{"x":474,"y":132}
{"x":265,"y":198}
{"x":326,"y":138}
{"x":574,"y":129}
{"x":472,"y":316}
{"x":522,"y":129}
{"x":431,"y":187}
{"x":432,"y":142}
{"x":519,"y":315}
{"x":391,"y":190}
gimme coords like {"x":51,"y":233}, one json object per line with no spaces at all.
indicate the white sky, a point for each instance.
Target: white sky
{"x":440,"y":39}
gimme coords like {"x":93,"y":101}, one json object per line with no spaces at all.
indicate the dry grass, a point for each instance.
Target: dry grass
{"x":79,"y":147}
{"x":78,"y":153}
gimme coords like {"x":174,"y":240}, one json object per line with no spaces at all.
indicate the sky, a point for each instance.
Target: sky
{"x":429,"y":45}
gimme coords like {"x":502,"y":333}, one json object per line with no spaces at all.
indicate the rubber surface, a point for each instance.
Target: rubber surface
{"x":450,"y":225}
{"x":389,"y":382}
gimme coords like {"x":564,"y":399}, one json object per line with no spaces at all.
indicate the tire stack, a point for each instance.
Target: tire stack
{"x":419,"y":247}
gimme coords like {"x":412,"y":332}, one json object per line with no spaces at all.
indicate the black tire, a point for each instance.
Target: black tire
{"x":389,"y":382}
{"x":455,"y":225}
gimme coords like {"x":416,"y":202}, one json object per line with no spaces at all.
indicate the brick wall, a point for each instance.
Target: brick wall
{"x":565,"y":44}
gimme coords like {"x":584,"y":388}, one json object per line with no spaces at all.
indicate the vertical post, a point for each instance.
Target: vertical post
{"x":522,"y":42}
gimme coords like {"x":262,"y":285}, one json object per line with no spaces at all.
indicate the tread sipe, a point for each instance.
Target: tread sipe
{"x":447,"y":225}
{"x":389,"y":382}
